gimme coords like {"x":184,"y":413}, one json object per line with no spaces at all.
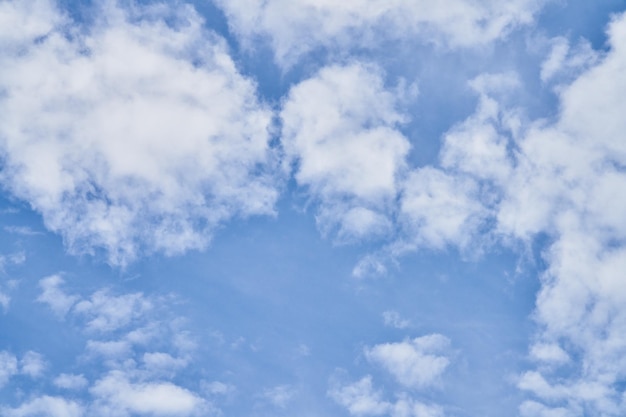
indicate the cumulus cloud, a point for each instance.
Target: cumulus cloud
{"x":360,"y":398}
{"x":105,"y":312}
{"x":439,"y":210}
{"x":32,"y":364}
{"x":297,"y":27}
{"x":139,"y":347}
{"x":116,"y":395}
{"x":340,"y":132}
{"x":559,"y":178}
{"x":417,"y":363}
{"x":133,"y":135}
{"x":45,"y":405}
{"x":52,"y":295}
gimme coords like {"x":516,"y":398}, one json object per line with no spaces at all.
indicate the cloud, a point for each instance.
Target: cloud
{"x":54,"y":297}
{"x":134,"y":135}
{"x":8,"y":367}
{"x":71,"y":381}
{"x":294,"y":28}
{"x":279,"y":396}
{"x":417,"y":363}
{"x":558,"y":178}
{"x":135,"y":346}
{"x":339,"y":129}
{"x":393,"y":319}
{"x":564,"y":59}
{"x":32,"y":364}
{"x":116,"y":395}
{"x":361,"y":399}
{"x":45,"y":405}
{"x":439,"y":210}
{"x":105,"y":313}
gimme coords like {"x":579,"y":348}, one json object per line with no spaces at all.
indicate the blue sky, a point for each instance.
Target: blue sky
{"x":312,"y":208}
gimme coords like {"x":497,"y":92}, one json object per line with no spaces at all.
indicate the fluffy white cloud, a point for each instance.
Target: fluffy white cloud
{"x":438,"y":209}
{"x":340,"y":132}
{"x":71,"y":381}
{"x":105,"y":313}
{"x":32,"y":364}
{"x":417,"y":363}
{"x":360,"y":398}
{"x":116,"y":395}
{"x":136,"y":134}
{"x":54,"y":296}
{"x":45,"y":406}
{"x":296,"y":27}
{"x":393,"y":319}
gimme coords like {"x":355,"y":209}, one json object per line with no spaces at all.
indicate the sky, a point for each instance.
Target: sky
{"x":312,"y":208}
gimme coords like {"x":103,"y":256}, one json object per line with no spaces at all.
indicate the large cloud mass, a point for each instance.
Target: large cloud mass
{"x":132,"y":135}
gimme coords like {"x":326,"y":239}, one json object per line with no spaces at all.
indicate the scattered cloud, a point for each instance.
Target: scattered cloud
{"x":417,"y":363}
{"x":45,"y":405}
{"x":340,"y":133}
{"x":115,"y":394}
{"x":393,"y":319}
{"x":32,"y":364}
{"x":8,"y":367}
{"x":71,"y":382}
{"x":52,"y":295}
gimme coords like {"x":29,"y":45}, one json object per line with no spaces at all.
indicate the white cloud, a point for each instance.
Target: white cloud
{"x":32,"y":364}
{"x":8,"y":367}
{"x":297,"y":27}
{"x":535,"y":409}
{"x":132,"y":135}
{"x":562,"y":178}
{"x":71,"y":381}
{"x":360,"y":398}
{"x":54,"y":297}
{"x":45,"y":406}
{"x":564,"y":59}
{"x":116,"y":395}
{"x":417,"y":363}
{"x":340,"y":131}
{"x":438,"y":209}
{"x":105,"y":313}
{"x":549,"y":353}
{"x":393,"y":319}
{"x":161,"y":363}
